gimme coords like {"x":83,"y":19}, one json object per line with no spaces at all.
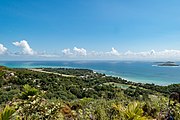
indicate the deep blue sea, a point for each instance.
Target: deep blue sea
{"x":144,"y":72}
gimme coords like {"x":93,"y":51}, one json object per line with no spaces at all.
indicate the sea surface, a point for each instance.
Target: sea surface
{"x":144,"y":72}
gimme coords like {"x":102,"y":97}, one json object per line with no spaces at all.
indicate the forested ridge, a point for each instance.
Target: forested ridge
{"x":85,"y":95}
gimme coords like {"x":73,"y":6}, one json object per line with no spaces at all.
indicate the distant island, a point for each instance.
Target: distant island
{"x":168,"y":63}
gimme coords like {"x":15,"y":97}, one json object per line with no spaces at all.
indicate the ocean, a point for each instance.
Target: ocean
{"x":144,"y":72}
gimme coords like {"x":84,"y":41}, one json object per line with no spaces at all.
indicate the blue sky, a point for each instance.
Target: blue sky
{"x":89,"y":29}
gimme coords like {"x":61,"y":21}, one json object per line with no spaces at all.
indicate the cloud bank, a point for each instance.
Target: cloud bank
{"x":153,"y":55}
{"x":129,"y":55}
{"x":82,"y":53}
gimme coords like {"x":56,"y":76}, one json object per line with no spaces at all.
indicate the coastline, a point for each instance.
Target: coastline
{"x":134,"y":79}
{"x":146,"y":81}
{"x":138,"y":72}
{"x":140,"y":80}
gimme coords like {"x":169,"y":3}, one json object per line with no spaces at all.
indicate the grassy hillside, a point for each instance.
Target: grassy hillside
{"x":84,"y":95}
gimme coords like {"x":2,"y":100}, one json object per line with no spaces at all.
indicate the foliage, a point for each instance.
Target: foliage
{"x":28,"y":91}
{"x":87,"y":96}
{"x":76,"y":72}
{"x":133,"y":111}
{"x":7,"y":113}
{"x":36,"y":107}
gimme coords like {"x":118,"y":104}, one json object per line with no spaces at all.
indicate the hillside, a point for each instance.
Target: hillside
{"x":81,"y":94}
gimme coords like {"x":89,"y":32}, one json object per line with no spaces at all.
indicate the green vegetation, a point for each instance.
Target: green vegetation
{"x":32,"y":95}
{"x":7,"y":113}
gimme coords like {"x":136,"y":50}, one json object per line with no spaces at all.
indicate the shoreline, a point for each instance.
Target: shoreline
{"x":42,"y":71}
{"x":133,"y":79}
{"x":126,"y":72}
{"x":107,"y":73}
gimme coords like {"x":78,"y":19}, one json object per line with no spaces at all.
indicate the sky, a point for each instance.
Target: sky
{"x":89,"y":29}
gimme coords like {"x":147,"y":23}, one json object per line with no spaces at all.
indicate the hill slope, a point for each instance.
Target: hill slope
{"x":81,"y":94}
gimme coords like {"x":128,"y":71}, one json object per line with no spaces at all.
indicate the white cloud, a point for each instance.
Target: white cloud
{"x":48,"y":55}
{"x":169,"y":52}
{"x":113,"y":52}
{"x":140,"y":54}
{"x":153,"y":55}
{"x":75,"y":52}
{"x":80,"y":51}
{"x":129,"y":55}
{"x":67,"y":52}
{"x":95,"y":54}
{"x":152,"y":52}
{"x":83,"y":53}
{"x":26,"y":49}
{"x":2,"y":49}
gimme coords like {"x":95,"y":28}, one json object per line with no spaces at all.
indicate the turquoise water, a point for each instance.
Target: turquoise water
{"x":144,"y":72}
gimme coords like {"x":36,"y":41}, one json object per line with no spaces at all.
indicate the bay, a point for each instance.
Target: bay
{"x":144,"y":72}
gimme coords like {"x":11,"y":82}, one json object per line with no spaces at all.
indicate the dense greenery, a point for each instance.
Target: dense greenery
{"x":67,"y":71}
{"x":84,"y":96}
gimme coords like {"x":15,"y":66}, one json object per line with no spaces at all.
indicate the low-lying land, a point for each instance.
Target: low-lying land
{"x":169,"y":63}
{"x":81,"y":94}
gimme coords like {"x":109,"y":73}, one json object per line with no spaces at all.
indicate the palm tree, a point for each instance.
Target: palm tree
{"x":132,"y":112}
{"x":7,"y":113}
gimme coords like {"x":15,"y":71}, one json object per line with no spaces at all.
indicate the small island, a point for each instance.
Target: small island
{"x":169,"y":63}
